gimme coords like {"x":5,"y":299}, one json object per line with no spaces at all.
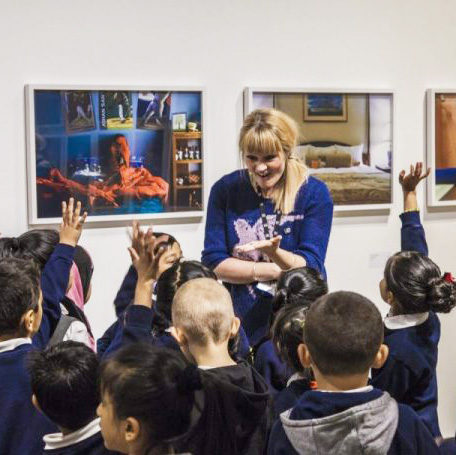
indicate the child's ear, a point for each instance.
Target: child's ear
{"x":36,"y":404}
{"x":178,"y":335}
{"x":132,"y":430}
{"x":304,"y":356}
{"x":235,"y":325}
{"x":381,"y":356}
{"x":28,"y":321}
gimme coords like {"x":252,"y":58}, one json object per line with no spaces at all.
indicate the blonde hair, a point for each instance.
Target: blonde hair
{"x":268,"y":132}
{"x":202,"y":308}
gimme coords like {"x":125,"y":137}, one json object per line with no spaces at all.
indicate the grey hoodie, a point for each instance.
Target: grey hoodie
{"x":367,"y":429}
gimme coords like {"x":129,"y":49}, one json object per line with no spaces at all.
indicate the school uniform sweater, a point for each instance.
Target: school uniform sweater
{"x":289,"y":396}
{"x":22,"y":427}
{"x":85,"y":441}
{"x":409,"y":374}
{"x":268,"y":364}
{"x":234,"y":218}
{"x":358,"y":422}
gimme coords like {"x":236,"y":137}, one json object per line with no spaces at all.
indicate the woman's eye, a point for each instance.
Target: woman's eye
{"x":270,"y":157}
{"x":251,"y":157}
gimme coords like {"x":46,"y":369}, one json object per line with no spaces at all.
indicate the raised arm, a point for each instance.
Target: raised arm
{"x":54,"y":279}
{"x":413,"y":237}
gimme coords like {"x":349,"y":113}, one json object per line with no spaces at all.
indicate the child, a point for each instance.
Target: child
{"x":415,"y":288}
{"x":152,"y":399}
{"x":27,"y":321}
{"x":287,"y":331}
{"x":64,"y":380}
{"x":203,"y":323}
{"x":301,"y":287}
{"x":342,"y":341}
{"x":38,"y":245}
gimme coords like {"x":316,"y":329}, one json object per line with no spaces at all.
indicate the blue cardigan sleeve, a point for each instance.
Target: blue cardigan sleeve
{"x":215,"y":239}
{"x":54,"y":282}
{"x":126,"y":293}
{"x":314,"y":235}
{"x":413,"y":237}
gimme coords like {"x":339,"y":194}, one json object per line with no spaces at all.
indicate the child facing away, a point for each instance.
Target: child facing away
{"x":152,"y":398}
{"x":342,"y":341}
{"x":27,"y":321}
{"x":300,"y":286}
{"x":64,"y":381}
{"x":415,"y":289}
{"x":287,"y":331}
{"x":203,"y":323}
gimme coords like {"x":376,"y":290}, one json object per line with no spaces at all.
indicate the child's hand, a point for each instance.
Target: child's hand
{"x":410,"y":181}
{"x":72,"y":223}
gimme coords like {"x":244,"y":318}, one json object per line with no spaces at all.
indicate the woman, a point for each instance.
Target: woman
{"x":266,"y":219}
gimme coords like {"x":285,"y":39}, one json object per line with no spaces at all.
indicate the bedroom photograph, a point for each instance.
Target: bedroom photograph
{"x":346,"y":140}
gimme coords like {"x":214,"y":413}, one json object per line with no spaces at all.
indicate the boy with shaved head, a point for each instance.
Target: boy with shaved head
{"x":203,"y":323}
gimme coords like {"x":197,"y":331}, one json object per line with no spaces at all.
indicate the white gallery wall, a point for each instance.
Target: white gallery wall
{"x":405,"y":46}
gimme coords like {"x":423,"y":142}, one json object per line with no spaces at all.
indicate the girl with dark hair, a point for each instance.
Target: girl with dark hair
{"x":287,"y":334}
{"x":298,"y":287}
{"x":152,"y":400}
{"x":415,"y":288}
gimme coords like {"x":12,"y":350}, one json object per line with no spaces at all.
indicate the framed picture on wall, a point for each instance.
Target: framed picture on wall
{"x":441,"y":147}
{"x":115,"y":150}
{"x":353,"y":155}
{"x":325,"y":107}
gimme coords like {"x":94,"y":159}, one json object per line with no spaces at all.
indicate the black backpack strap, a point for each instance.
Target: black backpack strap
{"x":61,"y":329}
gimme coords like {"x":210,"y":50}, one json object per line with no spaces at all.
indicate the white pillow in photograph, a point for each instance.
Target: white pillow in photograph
{"x":301,"y":151}
{"x":356,"y":151}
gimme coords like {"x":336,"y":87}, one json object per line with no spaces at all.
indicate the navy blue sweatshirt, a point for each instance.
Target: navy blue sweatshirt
{"x":409,"y":374}
{"x":289,"y":396}
{"x":350,"y":423}
{"x":22,"y":427}
{"x":234,"y":218}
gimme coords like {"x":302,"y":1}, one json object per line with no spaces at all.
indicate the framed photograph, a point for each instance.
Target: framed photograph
{"x":441,"y":147}
{"x":325,"y":107}
{"x":180,"y":121}
{"x":354,"y":157}
{"x":115,"y":150}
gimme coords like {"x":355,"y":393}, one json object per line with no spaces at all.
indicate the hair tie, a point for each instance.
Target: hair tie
{"x":189,"y":380}
{"x":448,"y":277}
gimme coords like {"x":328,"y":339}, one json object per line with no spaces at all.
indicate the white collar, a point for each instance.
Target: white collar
{"x":294,"y":377}
{"x":58,"y":440}
{"x":367,"y":388}
{"x":403,"y":321}
{"x":12,"y":344}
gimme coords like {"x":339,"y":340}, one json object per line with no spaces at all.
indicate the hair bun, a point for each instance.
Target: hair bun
{"x":189,"y":380}
{"x":442,"y":294}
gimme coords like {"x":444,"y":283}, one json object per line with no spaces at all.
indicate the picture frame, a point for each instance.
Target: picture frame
{"x":180,"y":121}
{"x":325,"y":107}
{"x":119,"y":161}
{"x":355,"y":158}
{"x":440,"y":148}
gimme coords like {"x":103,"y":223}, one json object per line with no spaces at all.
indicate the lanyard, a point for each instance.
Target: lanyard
{"x":264,"y":221}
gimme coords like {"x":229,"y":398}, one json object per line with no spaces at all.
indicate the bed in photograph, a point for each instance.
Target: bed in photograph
{"x":342,"y":167}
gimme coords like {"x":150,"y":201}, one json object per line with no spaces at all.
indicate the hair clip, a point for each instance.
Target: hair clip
{"x":448,"y":277}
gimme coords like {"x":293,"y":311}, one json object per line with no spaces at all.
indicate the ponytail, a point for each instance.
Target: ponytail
{"x":441,"y":295}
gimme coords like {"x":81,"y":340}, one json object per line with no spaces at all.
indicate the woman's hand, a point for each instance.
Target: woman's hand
{"x":268,"y":247}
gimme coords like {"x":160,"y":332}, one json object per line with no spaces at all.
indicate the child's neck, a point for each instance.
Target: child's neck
{"x":341,"y":383}
{"x":212,"y":355}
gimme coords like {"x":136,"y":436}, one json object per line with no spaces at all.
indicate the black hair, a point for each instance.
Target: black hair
{"x":64,"y":380}
{"x":37,"y":244}
{"x":288,"y":333}
{"x":300,"y":286}
{"x":343,"y":333}
{"x":19,"y":293}
{"x":169,"y":242}
{"x":167,"y":285}
{"x":418,"y":285}
{"x":159,"y":388}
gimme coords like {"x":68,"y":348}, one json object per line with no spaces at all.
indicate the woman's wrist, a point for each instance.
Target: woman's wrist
{"x":265,"y":271}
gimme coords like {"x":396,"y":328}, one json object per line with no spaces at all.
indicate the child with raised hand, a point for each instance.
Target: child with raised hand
{"x":416,"y":290}
{"x":203,"y":324}
{"x":342,"y":340}
{"x":153,"y":399}
{"x":300,"y":286}
{"x":64,"y":380}
{"x":27,"y":321}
